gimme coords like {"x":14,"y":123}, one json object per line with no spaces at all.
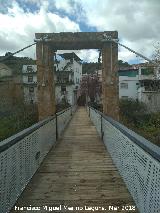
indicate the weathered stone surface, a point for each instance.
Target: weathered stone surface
{"x":109,"y":82}
{"x":77,"y":40}
{"x":46,"y":90}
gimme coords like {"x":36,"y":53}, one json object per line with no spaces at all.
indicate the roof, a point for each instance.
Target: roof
{"x":70,"y":56}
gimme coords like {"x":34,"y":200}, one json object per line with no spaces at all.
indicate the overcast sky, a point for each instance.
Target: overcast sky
{"x":137,"y":22}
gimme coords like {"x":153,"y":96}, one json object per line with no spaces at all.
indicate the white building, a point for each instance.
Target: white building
{"x":149,"y":90}
{"x":128,"y":83}
{"x":67,"y":75}
{"x":29,"y":79}
{"x":140,"y":84}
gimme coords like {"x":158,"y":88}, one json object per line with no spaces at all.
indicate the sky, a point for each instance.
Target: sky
{"x":137,"y":23}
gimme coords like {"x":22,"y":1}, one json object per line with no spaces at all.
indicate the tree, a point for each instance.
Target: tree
{"x":123,"y":64}
{"x":90,"y":67}
{"x":90,"y":87}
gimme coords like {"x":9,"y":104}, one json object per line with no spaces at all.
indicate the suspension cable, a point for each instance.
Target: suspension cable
{"x":42,"y":39}
{"x":11,"y":54}
{"x":109,"y":38}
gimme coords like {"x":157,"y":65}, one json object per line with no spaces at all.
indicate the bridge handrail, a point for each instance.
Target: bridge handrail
{"x":137,"y":160}
{"x":8,"y":142}
{"x":146,"y":145}
{"x":12,"y":140}
{"x":22,"y":154}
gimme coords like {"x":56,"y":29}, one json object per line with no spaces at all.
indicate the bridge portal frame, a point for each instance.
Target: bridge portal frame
{"x":46,"y":46}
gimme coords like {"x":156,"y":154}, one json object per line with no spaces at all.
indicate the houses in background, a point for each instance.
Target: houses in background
{"x":67,"y":75}
{"x":128,"y":83}
{"x":142,"y":84}
{"x":138,"y":83}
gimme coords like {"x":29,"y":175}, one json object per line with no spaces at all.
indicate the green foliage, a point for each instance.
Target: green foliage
{"x":133,"y":114}
{"x":90,"y":67}
{"x":147,"y":71}
{"x":20,"y":118}
{"x":123,"y":64}
{"x":133,"y":111}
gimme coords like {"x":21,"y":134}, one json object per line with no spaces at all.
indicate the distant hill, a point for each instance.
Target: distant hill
{"x":91,"y":67}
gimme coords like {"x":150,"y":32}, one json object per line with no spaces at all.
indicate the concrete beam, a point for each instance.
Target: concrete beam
{"x":75,"y":41}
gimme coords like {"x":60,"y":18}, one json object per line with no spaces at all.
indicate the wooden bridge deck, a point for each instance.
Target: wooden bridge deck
{"x":78,"y":172}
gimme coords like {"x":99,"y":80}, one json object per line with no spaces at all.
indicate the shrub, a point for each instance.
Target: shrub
{"x":133,"y":111}
{"x":134,"y":115}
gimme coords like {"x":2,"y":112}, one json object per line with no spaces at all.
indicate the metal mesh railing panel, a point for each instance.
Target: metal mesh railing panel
{"x":96,"y":119}
{"x":19,"y":163}
{"x":62,"y":120}
{"x":140,"y":171}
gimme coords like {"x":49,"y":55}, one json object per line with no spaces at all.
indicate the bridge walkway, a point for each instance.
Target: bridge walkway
{"x":78,"y":172}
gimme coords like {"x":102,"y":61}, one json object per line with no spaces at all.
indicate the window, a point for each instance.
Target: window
{"x":29,"y":68}
{"x":30,"y":78}
{"x":31,"y":89}
{"x":124,"y":85}
{"x":63,"y":88}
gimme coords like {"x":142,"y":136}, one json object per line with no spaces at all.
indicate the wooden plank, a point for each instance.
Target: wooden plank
{"x":77,"y":172}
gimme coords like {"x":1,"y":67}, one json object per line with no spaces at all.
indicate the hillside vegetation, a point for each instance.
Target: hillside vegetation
{"x":16,"y":63}
{"x":133,"y":115}
{"x":92,"y":66}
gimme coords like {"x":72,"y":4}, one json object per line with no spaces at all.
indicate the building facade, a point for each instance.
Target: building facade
{"x":67,"y":76}
{"x":128,"y":83}
{"x":142,"y":84}
{"x":29,"y":79}
{"x":137,"y":83}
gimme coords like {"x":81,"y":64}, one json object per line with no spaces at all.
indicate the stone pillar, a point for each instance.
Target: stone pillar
{"x":45,"y":78}
{"x":110,"y":94}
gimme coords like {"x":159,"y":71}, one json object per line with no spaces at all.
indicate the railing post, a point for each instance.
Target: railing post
{"x":56,"y":127}
{"x":89,"y":111}
{"x":102,"y":133}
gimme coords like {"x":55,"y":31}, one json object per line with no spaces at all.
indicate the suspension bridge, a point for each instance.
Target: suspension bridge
{"x":80,"y":159}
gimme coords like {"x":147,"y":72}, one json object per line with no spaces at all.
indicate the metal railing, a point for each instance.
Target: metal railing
{"x":22,"y":154}
{"x":137,"y":160}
